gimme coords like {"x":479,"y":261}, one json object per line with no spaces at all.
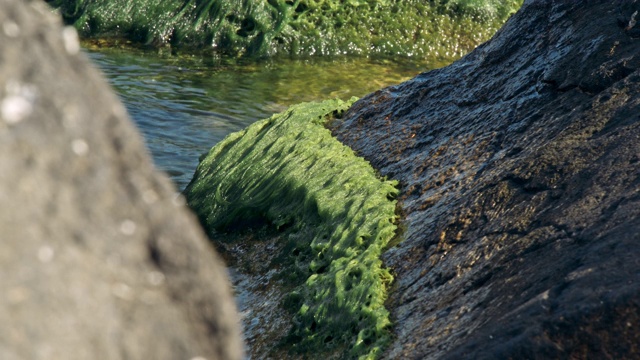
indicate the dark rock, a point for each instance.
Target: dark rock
{"x":99,"y":258}
{"x":520,"y":171}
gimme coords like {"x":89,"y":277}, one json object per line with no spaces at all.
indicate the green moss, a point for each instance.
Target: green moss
{"x":336,"y":214}
{"x":435,"y":28}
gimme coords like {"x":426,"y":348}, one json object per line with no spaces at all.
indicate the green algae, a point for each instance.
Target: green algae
{"x":444,"y":29}
{"x":336,"y":214}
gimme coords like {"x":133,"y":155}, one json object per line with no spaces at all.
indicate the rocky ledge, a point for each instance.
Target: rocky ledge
{"x":519,"y":168}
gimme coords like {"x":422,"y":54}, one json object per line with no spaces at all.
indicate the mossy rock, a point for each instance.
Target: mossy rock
{"x":335,"y":213}
{"x":436,"y":28}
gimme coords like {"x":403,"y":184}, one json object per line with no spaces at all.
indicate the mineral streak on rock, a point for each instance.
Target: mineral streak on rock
{"x":96,"y":261}
{"x":520,"y":177}
{"x":333,"y":215}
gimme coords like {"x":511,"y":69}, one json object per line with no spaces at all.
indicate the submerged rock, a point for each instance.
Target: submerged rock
{"x":328,"y":219}
{"x":99,"y":258}
{"x":434,"y":29}
{"x":519,"y":168}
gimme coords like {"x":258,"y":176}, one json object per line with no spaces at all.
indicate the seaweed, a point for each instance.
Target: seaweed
{"x":337,"y":216}
{"x":438,"y":28}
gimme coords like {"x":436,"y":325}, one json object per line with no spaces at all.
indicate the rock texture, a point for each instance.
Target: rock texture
{"x":520,"y":167}
{"x":99,"y":258}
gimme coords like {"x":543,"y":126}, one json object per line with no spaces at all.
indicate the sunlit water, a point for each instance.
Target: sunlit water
{"x":185,"y":105}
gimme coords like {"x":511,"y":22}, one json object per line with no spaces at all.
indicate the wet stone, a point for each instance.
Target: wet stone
{"x":519,"y":173}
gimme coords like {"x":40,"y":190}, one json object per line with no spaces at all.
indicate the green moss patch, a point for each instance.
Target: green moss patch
{"x":435,"y":28}
{"x":335,"y":213}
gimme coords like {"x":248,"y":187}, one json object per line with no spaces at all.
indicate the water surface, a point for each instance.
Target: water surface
{"x":183,"y":105}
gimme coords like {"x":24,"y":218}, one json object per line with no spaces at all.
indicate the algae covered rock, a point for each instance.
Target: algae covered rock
{"x":446,"y":29}
{"x":333,"y":213}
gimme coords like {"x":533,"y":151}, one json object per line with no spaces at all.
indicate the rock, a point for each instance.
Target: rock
{"x":99,"y":257}
{"x":520,"y":174}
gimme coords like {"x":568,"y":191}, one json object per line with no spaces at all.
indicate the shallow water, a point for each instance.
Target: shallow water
{"x":183,"y":105}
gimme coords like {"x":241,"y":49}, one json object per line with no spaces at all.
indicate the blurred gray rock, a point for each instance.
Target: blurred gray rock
{"x":520,"y":173}
{"x":99,"y":259}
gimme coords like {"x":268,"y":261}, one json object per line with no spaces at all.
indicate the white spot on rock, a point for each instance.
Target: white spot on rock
{"x":156,"y":278}
{"x":545,"y":295}
{"x":80,"y":147}
{"x":70,"y":39}
{"x":27,"y":91}
{"x":198,"y":358}
{"x":122,"y":291}
{"x":45,"y":254}
{"x":15,"y":108}
{"x":632,"y":22}
{"x":128,"y":227}
{"x":11,"y":29}
{"x":574,"y":275}
{"x":18,"y":104}
{"x":150,"y":196}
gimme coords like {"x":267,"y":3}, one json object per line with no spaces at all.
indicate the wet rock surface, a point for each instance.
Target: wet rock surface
{"x":520,"y":175}
{"x":98,"y":259}
{"x":252,"y":257}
